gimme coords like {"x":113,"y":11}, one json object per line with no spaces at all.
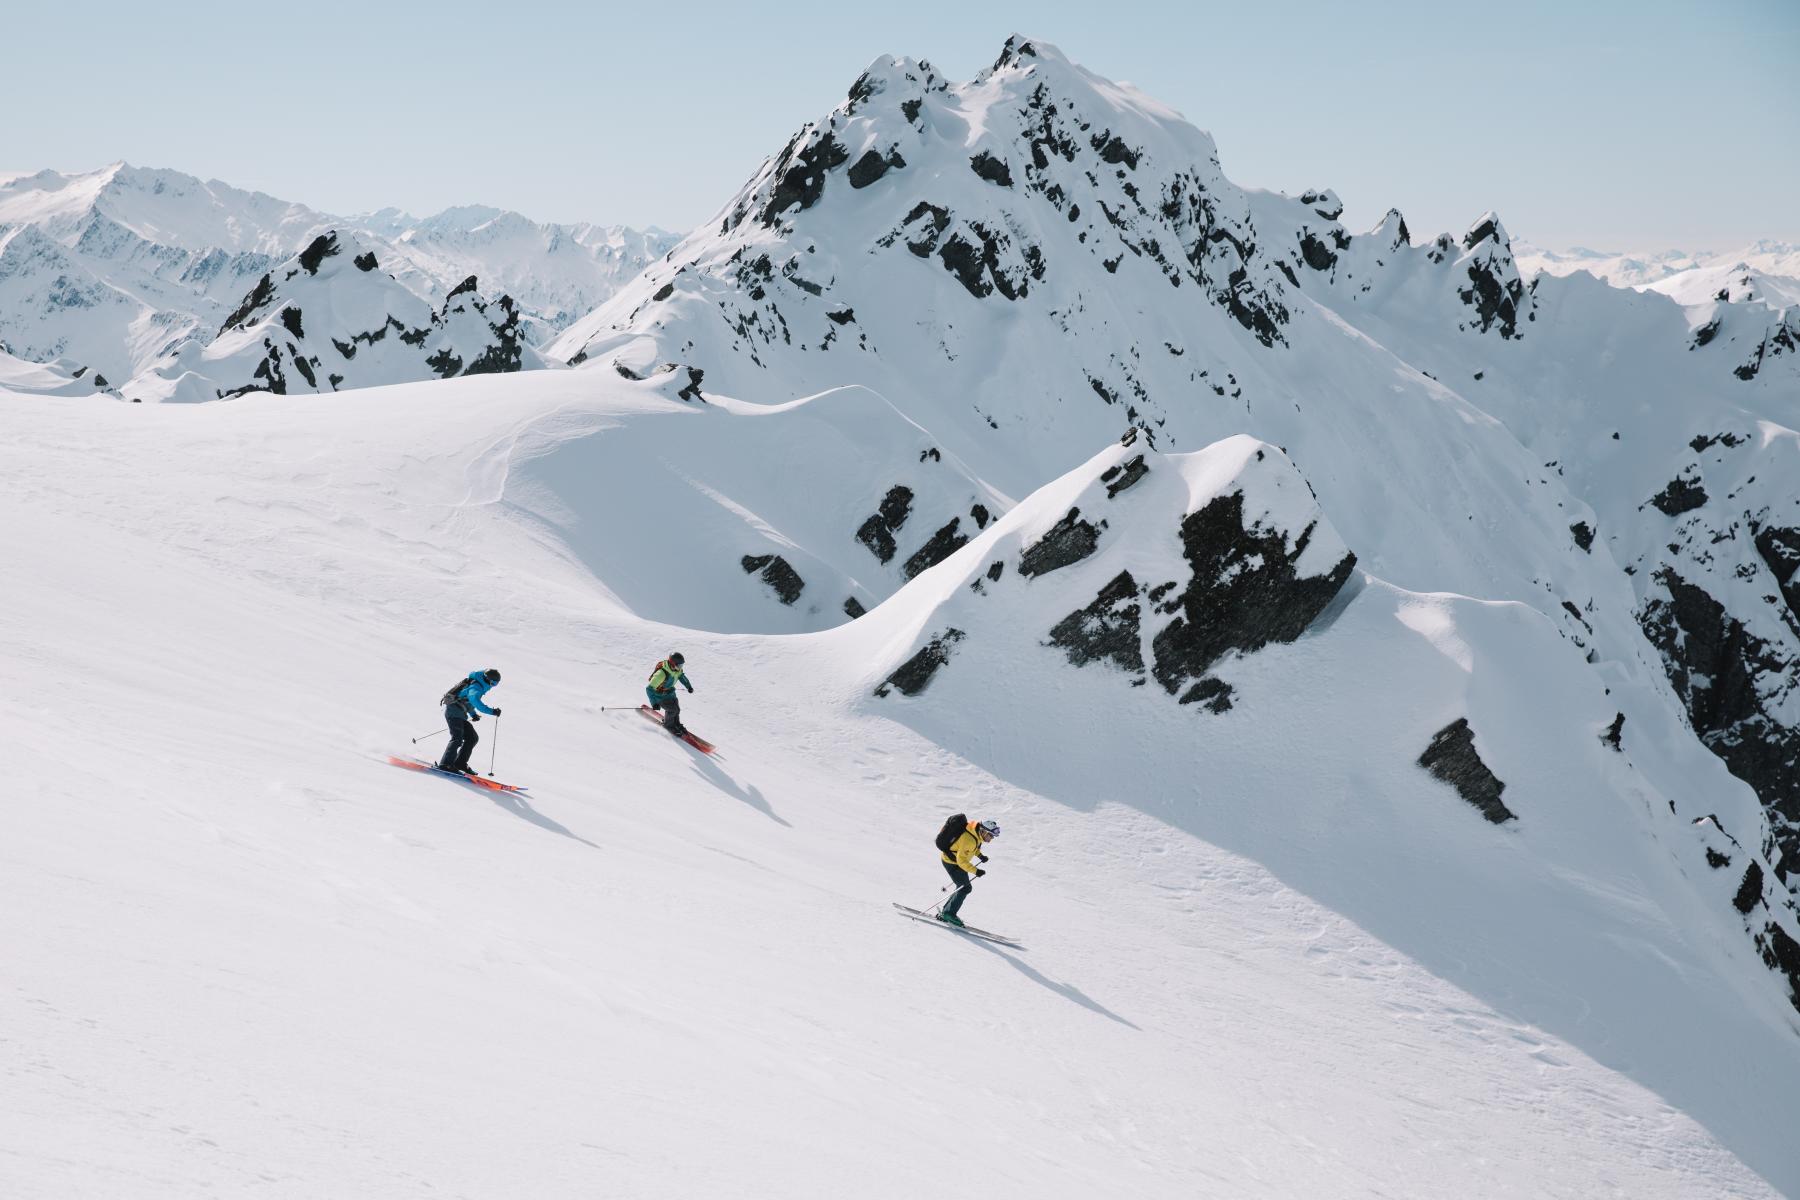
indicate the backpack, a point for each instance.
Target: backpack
{"x":450,"y":697}
{"x":953,"y":829}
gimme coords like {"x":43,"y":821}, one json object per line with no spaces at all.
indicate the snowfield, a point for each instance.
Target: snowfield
{"x":1267,"y":953}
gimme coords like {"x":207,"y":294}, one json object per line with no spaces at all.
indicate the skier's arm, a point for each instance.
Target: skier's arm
{"x":966,"y":856}
{"x":476,"y":701}
{"x":684,"y":683}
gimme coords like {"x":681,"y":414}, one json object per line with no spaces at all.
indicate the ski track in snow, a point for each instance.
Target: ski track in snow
{"x":245,"y":955}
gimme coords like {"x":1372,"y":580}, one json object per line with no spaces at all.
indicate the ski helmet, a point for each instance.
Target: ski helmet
{"x":676,"y":658}
{"x":492,"y":675}
{"x":988,"y":830}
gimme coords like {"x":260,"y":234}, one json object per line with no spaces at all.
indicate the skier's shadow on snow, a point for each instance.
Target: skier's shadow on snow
{"x":709,"y":770}
{"x":1067,"y":991}
{"x":515,"y":804}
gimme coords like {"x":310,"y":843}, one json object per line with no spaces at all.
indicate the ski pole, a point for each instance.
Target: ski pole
{"x":619,"y":707}
{"x":494,"y":748}
{"x":433,"y":733}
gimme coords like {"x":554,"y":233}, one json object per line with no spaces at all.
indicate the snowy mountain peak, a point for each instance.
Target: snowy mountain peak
{"x":330,"y":318}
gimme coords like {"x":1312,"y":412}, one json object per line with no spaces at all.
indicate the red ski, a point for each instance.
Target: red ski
{"x":492,"y":785}
{"x":698,"y":743}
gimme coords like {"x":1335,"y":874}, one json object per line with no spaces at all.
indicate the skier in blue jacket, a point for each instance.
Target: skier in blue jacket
{"x":462,"y":705}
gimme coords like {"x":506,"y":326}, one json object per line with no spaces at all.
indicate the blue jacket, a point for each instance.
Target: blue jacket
{"x":470,"y":693}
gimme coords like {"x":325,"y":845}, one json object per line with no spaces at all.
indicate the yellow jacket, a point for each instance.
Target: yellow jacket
{"x":964,"y":849}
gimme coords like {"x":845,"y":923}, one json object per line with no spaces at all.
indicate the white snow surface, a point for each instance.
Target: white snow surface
{"x":1267,"y":954}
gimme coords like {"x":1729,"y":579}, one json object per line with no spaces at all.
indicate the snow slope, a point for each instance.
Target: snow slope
{"x":1268,"y":954}
{"x":1652,"y":268}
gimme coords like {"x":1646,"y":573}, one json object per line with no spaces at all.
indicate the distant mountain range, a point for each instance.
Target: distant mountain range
{"x":133,"y":272}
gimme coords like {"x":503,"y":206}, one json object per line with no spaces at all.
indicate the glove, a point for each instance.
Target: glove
{"x":474,"y":716}
{"x":979,"y":872}
{"x":982,"y":857}
{"x":496,"y":712}
{"x":690,"y":688}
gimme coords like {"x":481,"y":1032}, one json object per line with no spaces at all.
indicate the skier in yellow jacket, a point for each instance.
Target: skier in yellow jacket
{"x":960,"y":854}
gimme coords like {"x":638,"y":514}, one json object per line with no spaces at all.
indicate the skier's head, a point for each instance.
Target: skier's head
{"x":676,"y":659}
{"x":987,"y":831}
{"x":492,"y":675}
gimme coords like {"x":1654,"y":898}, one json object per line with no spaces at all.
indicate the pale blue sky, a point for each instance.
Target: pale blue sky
{"x":1606,"y":123}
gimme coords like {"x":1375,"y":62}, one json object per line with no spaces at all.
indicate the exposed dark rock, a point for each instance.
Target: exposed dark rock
{"x":1118,"y":478}
{"x":1583,"y":533}
{"x":843,"y":317}
{"x":1213,"y":693}
{"x":995,"y":570}
{"x":304,"y":365}
{"x":1243,"y":595}
{"x":1106,"y":630}
{"x":777,"y":573}
{"x":1749,"y":893}
{"x":691,"y":390}
{"x":664,"y":292}
{"x":913,"y":674}
{"x":1495,"y":301}
{"x":1782,"y":953}
{"x":1721,"y":670}
{"x":467,"y":287}
{"x":261,"y":294}
{"x":1615,"y":733}
{"x":877,"y":533}
{"x":1451,"y":758}
{"x":943,"y":544}
{"x":992,"y":169}
{"x":322,"y":248}
{"x":1780,"y":551}
{"x":624,"y":371}
{"x":444,"y":363}
{"x":1715,"y":860}
{"x":910,"y":109}
{"x":979,"y":514}
{"x":1114,"y":151}
{"x":1706,"y":333}
{"x":853,"y":608}
{"x":800,"y":174}
{"x":1682,"y":495}
{"x":365,"y":261}
{"x":1317,"y":254}
{"x":1702,"y":442}
{"x":867,"y":169}
{"x":1068,"y":541}
{"x":290,"y":317}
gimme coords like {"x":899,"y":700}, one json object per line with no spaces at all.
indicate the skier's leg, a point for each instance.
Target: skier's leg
{"x":960,"y":878}
{"x":468,"y":747}
{"x":454,"y":746}
{"x":672,"y":716}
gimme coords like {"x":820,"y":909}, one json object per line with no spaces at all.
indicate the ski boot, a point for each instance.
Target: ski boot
{"x":950,"y":919}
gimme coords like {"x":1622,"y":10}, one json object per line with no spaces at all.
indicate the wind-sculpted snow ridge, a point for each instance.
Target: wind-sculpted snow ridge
{"x":59,"y":378}
{"x":1032,"y":261}
{"x":331,"y":319}
{"x":117,"y":267}
{"x":790,"y":519}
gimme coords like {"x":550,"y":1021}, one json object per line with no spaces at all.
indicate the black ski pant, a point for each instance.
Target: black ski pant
{"x":462,"y":742}
{"x":670,"y":707}
{"x":964,"y":885}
